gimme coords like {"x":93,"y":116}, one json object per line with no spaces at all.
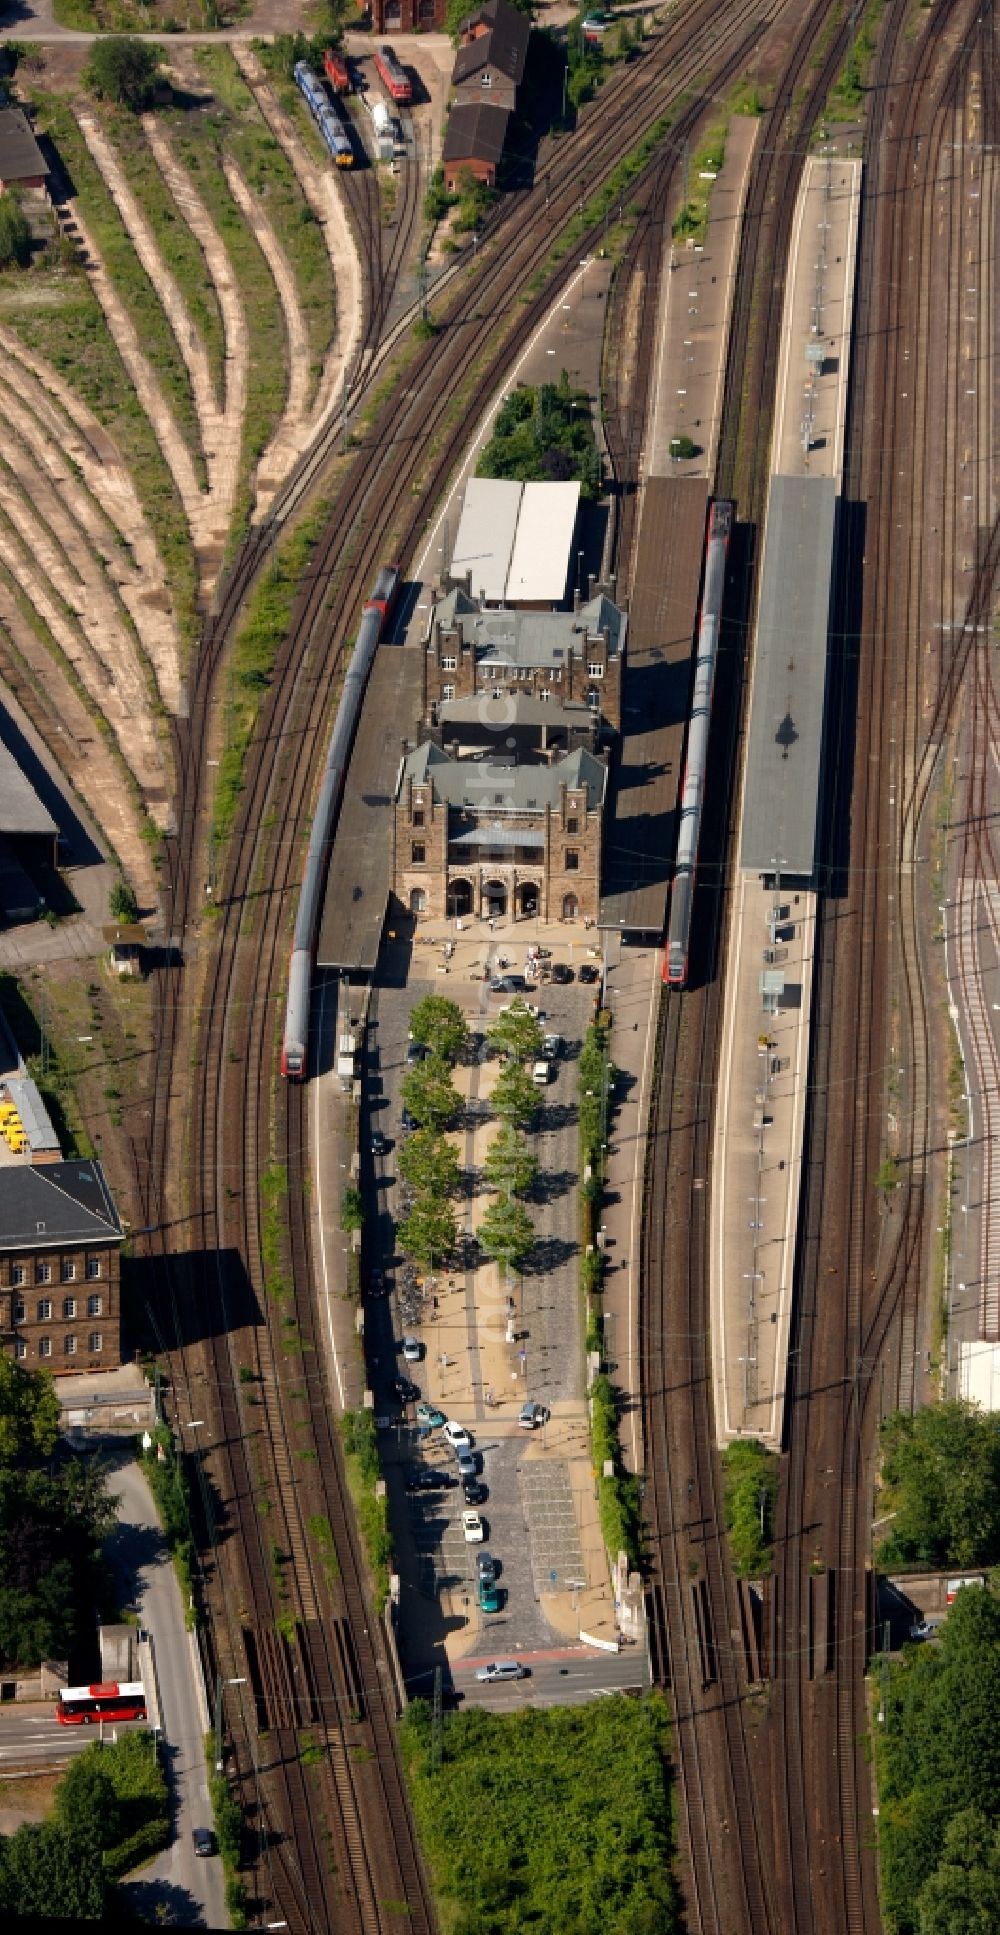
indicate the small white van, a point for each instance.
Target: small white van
{"x":540,"y":1074}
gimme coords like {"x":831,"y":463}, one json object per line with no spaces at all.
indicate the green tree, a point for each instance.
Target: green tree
{"x":87,"y":1804}
{"x":45,"y":1871}
{"x":123,"y":904}
{"x":429,"y":1095}
{"x":124,"y":70}
{"x":517,"y":1032}
{"x":941,"y":1482}
{"x":15,"y":233}
{"x":514,"y":1097}
{"x":510,"y":1166}
{"x":429,"y":1164}
{"x":962,"y":1896}
{"x":29,"y":1413}
{"x":682,"y":447}
{"x":352,"y":1208}
{"x":52,"y":1528}
{"x":429,"y":1233}
{"x":506,"y":1233}
{"x":439,"y":1024}
{"x":750,"y":1481}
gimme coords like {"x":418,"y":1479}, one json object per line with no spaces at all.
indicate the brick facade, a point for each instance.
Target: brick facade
{"x":60,"y":1308}
{"x":408,"y":16}
{"x":456,"y":666}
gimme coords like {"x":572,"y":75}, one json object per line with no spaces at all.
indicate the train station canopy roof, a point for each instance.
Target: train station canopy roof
{"x":21,"y":810}
{"x":785,"y":744}
{"x":515,"y":541}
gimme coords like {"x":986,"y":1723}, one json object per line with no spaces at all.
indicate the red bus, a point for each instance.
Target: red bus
{"x":80,"y":1706}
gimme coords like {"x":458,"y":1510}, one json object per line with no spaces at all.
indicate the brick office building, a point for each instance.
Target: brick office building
{"x":60,"y":1238}
{"x":475,"y":836}
{"x":408,"y":16}
{"x":566,"y":657}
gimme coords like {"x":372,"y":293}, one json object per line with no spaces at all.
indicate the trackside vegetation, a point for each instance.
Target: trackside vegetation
{"x":167,"y":1480}
{"x":750,"y":1484}
{"x":937,"y":1753}
{"x":363,"y":1474}
{"x":556,"y":1820}
{"x":547,"y":435}
{"x":940,"y":1485}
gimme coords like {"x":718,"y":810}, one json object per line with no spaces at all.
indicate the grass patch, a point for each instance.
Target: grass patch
{"x":364,"y":1472}
{"x":848,"y":90}
{"x":265,"y":624}
{"x":750,"y":1484}
{"x":272,"y":181}
{"x":557,"y":1818}
{"x":149,"y":16}
{"x":691,"y":224}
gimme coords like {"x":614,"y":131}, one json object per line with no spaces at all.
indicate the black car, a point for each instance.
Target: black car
{"x":589,"y":973}
{"x":559,"y":971}
{"x":405,"y":1389}
{"x":474,"y":1491}
{"x":408,"y":1120}
{"x":415,"y":1052}
{"x":429,"y":1478}
{"x":204,"y":1841}
{"x":379,"y":1143}
{"x":508,"y":984}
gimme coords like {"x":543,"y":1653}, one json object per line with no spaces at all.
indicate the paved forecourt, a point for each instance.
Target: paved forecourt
{"x":759,"y":1120}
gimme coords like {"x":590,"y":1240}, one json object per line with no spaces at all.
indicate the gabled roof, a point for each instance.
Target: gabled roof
{"x":476,"y":132}
{"x":56,"y":1205}
{"x":489,"y":788}
{"x":504,"y":45}
{"x":20,"y":154}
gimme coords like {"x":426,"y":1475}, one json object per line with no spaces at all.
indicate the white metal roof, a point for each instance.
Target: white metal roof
{"x":542,"y":559}
{"x":486,"y":535}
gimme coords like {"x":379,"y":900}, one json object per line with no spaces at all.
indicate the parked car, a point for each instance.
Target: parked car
{"x":532,"y":1415}
{"x":508,"y":984}
{"x":473,"y":1490}
{"x":926,"y":1628}
{"x":203,"y":1840}
{"x":552,"y":1047}
{"x":466,"y":1462}
{"x":489,"y":1596}
{"x":457,"y":1436}
{"x":379,"y":1143}
{"x":415,"y":1052}
{"x":429,"y":1478}
{"x":413,"y":1350}
{"x":409,"y":1121}
{"x":405,"y":1389}
{"x":486,"y":1566}
{"x":430,"y":1415}
{"x":561,"y":973}
{"x":472,"y":1526}
{"x":501,"y":1670}
{"x":588,"y":973}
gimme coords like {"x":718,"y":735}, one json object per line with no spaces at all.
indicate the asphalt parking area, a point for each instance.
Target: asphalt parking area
{"x":553,"y":1532}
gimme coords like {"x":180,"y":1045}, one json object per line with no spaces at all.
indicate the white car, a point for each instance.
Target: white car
{"x":457,"y":1436}
{"x":472,"y":1526}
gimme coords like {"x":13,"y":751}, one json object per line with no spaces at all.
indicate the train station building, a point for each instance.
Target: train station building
{"x":566,"y":657}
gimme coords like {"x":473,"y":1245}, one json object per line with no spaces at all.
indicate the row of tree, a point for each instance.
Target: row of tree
{"x":546,"y":435}
{"x":111,"y":1815}
{"x":428,"y":1163}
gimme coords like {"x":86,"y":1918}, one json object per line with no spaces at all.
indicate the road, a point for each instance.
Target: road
{"x":32,"y":1735}
{"x":190,"y":1889}
{"x":562,"y":1677}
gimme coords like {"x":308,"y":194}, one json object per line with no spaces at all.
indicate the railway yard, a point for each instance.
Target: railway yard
{"x":682,"y":891}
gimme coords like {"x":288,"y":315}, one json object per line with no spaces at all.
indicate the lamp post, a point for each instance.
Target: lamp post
{"x":220,"y":1683}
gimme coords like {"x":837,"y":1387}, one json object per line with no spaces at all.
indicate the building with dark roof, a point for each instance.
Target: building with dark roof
{"x":473,"y":143}
{"x":60,"y":1238}
{"x":492,"y":50}
{"x":499,"y":832}
{"x":21,"y":162}
{"x":566,"y":657}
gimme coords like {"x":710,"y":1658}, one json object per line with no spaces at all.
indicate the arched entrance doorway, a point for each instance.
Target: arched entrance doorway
{"x":495,"y":898}
{"x":459,"y":898}
{"x":418,"y":900}
{"x":571,"y":907}
{"x":527,"y":898}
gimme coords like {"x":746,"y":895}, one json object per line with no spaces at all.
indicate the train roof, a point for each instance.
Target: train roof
{"x":788,"y":704}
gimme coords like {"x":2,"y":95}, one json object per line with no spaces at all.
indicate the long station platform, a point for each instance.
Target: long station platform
{"x":760,"y":1116}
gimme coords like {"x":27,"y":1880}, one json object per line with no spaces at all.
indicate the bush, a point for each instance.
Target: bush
{"x":750,"y":1482}
{"x":352,"y":1208}
{"x":15,"y":234}
{"x":123,"y":904}
{"x":545,"y":434}
{"x":124,"y":70}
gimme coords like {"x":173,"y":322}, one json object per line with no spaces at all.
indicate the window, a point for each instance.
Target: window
{"x":573,"y":824}
{"x":486,"y":80}
{"x":572,"y":861}
{"x":593,"y":698}
{"x":68,"y":1271}
{"x":447,"y":692}
{"x":95,"y":1341}
{"x":19,"y":1310}
{"x":69,"y":1346}
{"x":498,"y":691}
{"x":69,"y":1306}
{"x":93,"y":1267}
{"x":20,"y":1348}
{"x":418,"y":816}
{"x":545,"y":693}
{"x":449,"y":662}
{"x":45,"y":1347}
{"x":418,"y":853}
{"x":43,"y":1273}
{"x":17,"y":1273}
{"x":94,"y":1306}
{"x":44,"y":1310}
{"x":595,"y":671}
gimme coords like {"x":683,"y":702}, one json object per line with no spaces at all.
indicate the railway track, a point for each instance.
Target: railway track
{"x":222,"y":1311}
